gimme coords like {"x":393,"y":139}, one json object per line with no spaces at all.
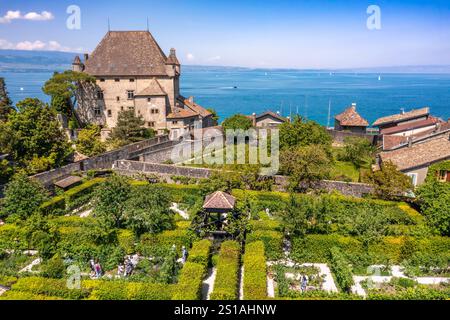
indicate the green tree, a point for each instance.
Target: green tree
{"x":358,"y":151}
{"x":88,"y":142}
{"x":305,"y":165}
{"x":62,"y":88}
{"x":23,"y":197}
{"x":215,"y":117}
{"x":303,"y":133}
{"x":237,"y":122}
{"x":295,"y":216}
{"x":129,"y":129}
{"x":111,"y":201}
{"x":37,"y":142}
{"x":148,"y":210}
{"x":390,"y":184}
{"x":370,"y":226}
{"x":6,"y":107}
{"x":434,"y":200}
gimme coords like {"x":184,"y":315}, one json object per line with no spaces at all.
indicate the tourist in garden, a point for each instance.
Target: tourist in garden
{"x":98,"y":270}
{"x":92,"y":266}
{"x":120,"y":270}
{"x":184,"y":254}
{"x":128,"y":268}
{"x":304,"y":283}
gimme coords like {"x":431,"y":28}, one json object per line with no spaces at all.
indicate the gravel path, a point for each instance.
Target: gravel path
{"x":29,"y":267}
{"x":241,"y":284}
{"x":182,"y":213}
{"x":2,"y":290}
{"x":208,"y":284}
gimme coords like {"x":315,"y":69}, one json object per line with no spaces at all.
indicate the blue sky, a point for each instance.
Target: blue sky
{"x":250,"y":33}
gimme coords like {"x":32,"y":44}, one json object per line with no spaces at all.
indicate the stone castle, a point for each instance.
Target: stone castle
{"x":133,"y":73}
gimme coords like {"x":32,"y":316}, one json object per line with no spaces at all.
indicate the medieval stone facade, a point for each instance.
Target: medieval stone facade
{"x":133,"y":73}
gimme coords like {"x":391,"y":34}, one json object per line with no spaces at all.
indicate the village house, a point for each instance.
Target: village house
{"x":415,"y":157}
{"x":351,"y":121}
{"x":267,"y":119}
{"x":407,"y":123}
{"x":133,"y":73}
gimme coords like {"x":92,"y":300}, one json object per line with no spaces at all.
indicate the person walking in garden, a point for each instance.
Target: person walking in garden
{"x":304,"y":283}
{"x":184,"y":254}
{"x":98,"y":270}
{"x":128,"y":268}
{"x":120,"y":270}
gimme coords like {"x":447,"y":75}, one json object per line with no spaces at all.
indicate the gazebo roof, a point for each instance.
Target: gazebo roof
{"x":219,"y":200}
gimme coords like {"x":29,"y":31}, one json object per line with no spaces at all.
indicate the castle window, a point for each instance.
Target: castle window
{"x":130,"y":108}
{"x":117,"y":80}
{"x":131,"y":80}
{"x":174,"y":122}
{"x":97,"y":111}
{"x":155,"y":111}
{"x":100,"y":95}
{"x":130,"y":94}
{"x":151,"y":124}
{"x":117,"y":99}
{"x":149,"y":99}
{"x":102,"y":79}
{"x":109,"y":113}
{"x":121,"y":108}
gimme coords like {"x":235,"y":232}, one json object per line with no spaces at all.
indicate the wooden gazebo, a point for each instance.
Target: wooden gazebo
{"x":216,"y":207}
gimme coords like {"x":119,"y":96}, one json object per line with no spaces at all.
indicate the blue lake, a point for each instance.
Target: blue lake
{"x":307,"y":92}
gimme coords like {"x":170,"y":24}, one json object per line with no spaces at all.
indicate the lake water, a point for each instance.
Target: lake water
{"x":306,"y":92}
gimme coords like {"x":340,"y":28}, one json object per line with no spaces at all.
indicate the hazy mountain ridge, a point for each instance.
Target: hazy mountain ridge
{"x":49,"y":61}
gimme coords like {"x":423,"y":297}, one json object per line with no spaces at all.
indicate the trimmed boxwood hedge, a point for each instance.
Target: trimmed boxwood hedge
{"x":341,"y":269}
{"x":190,"y":282}
{"x":273,"y":242}
{"x":200,"y":252}
{"x":316,"y":248}
{"x":255,"y":272}
{"x":83,"y":189}
{"x":22,"y":296}
{"x":122,"y":290}
{"x":226,"y":282}
{"x":49,"y":287}
{"x":55,"y":206}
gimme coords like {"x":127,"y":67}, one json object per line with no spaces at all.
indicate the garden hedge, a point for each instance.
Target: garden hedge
{"x":226,"y":283}
{"x":255,"y":272}
{"x":200,"y":252}
{"x":49,"y":287}
{"x":190,"y":282}
{"x":316,"y":248}
{"x":82,"y":190}
{"x":341,"y":269}
{"x":122,"y":290}
{"x":417,"y":293}
{"x":266,"y":224}
{"x":273,"y":242}
{"x":55,"y":206}
{"x":22,"y":296}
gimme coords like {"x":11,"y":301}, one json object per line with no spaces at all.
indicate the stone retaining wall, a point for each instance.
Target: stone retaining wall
{"x":134,"y":167}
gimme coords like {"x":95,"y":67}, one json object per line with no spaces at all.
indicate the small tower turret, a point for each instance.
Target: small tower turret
{"x":77,"y":65}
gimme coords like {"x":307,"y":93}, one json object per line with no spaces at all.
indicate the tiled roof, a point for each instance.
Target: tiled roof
{"x":402,"y":116}
{"x":127,"y":53}
{"x":195,"y":107}
{"x":420,"y":153}
{"x":154,"y":89}
{"x":180,"y":113}
{"x":351,"y":118}
{"x":390,"y":142}
{"x":272,"y":114}
{"x":219,"y":200}
{"x":410,"y":126}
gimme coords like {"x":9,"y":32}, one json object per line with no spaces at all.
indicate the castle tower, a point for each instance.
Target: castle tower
{"x":77,"y":65}
{"x":174,"y":69}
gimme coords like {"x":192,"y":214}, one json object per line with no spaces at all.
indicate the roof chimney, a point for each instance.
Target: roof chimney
{"x":86,"y":57}
{"x":172,"y":52}
{"x":410,"y":141}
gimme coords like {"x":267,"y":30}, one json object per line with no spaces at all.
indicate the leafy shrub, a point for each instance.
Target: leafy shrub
{"x":273,"y":242}
{"x":255,"y":275}
{"x":120,"y":290}
{"x":53,"y":268}
{"x":82,"y":190}
{"x":49,"y":287}
{"x":22,"y":296}
{"x":126,"y":240}
{"x":200,"y":252}
{"x":266,"y":224}
{"x":7,"y":281}
{"x":415,"y":293}
{"x":341,"y":269}
{"x":54,"y":206}
{"x":190,"y":282}
{"x":226,"y":283}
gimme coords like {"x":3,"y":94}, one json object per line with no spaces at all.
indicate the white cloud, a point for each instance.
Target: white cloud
{"x":190,"y":57}
{"x":37,"y":45}
{"x":43,"y":16}
{"x":32,"y":16}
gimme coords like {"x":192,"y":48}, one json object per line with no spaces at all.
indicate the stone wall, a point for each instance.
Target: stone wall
{"x":134,"y":167}
{"x":103,"y":161}
{"x":339,"y":136}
